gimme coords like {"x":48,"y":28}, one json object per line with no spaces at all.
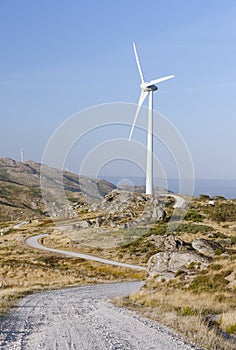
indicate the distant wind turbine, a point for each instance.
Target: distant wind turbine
{"x":22,"y":154}
{"x":147,"y":88}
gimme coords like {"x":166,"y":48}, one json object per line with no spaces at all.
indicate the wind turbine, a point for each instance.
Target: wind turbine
{"x":22,"y":155}
{"x":147,"y":88}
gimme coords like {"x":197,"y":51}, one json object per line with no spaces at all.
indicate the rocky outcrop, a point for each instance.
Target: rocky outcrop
{"x":124,"y":209}
{"x":207,"y":247}
{"x":173,"y":261}
{"x":177,"y":256}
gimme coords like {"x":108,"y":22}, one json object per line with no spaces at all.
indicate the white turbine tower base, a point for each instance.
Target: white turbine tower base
{"x":147,"y":88}
{"x":149,"y":168}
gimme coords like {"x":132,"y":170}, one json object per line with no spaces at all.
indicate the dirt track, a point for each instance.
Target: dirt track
{"x":83,"y":319}
{"x":34,"y":243}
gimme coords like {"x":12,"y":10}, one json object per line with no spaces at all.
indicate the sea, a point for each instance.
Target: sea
{"x":214,"y":187}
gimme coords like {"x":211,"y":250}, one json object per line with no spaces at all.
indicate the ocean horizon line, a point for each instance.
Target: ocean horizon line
{"x":211,"y":187}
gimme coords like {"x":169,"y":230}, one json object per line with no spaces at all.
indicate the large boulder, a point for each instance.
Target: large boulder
{"x":173,"y":261}
{"x":207,"y":247}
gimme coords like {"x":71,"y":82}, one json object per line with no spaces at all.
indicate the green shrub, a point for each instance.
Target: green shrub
{"x":179,"y":272}
{"x":231,"y":329}
{"x":218,"y":235}
{"x":223,"y":212}
{"x":192,"y":215}
{"x":204,"y":197}
{"x":233,"y":240}
{"x":219,"y":251}
{"x":215,"y":267}
{"x":208,"y":283}
{"x":11,"y":230}
{"x":193,"y":228}
{"x":187,"y":311}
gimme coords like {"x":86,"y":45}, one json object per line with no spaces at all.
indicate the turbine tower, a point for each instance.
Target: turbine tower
{"x":22,"y":154}
{"x":147,"y":88}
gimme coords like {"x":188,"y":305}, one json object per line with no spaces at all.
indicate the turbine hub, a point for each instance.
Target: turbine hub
{"x":148,"y":87}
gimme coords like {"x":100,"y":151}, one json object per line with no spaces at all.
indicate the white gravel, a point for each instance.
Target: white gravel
{"x":83,"y":319}
{"x":34,"y":243}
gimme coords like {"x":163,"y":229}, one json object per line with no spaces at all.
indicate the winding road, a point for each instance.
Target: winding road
{"x":179,"y":201}
{"x":33,"y":242}
{"x":83,"y":318}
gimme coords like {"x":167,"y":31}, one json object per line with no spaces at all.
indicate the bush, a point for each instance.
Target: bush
{"x":231,"y":329}
{"x":215,"y":267}
{"x":187,"y":311}
{"x":224,"y":212}
{"x":208,"y":283}
{"x":233,"y":240}
{"x":218,"y":235}
{"x":193,"y":228}
{"x":192,"y":215}
{"x":204,"y":197}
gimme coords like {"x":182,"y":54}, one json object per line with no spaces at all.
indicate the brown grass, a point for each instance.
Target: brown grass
{"x":183,"y":311}
{"x":188,"y":304}
{"x":23,"y":270}
{"x":183,"y":303}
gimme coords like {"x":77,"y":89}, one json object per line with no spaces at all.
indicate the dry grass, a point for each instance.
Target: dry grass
{"x":192,"y":328}
{"x":127,"y":254}
{"x":23,"y":269}
{"x":183,"y":311}
{"x":228,"y":321}
{"x":183,"y":303}
{"x":186,"y":304}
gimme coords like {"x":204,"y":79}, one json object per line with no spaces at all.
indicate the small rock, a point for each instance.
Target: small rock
{"x":232,"y":279}
{"x":83,"y":224}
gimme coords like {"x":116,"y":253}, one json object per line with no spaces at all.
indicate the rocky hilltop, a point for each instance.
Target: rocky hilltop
{"x":20,"y":194}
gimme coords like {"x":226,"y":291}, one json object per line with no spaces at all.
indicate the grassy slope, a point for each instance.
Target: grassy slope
{"x":20,"y":193}
{"x":23,"y":269}
{"x":186,"y":304}
{"x":182,"y":304}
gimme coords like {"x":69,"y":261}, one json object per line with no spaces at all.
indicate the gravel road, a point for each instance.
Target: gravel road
{"x":34,"y":243}
{"x":83,"y":319}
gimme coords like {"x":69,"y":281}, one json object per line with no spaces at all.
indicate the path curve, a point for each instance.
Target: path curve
{"x":179,"y":201}
{"x":33,"y":242}
{"x":82,"y":319}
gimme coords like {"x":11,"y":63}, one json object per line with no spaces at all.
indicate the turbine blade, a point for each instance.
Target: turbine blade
{"x":140,"y":102}
{"x":138,"y":63}
{"x":160,"y":80}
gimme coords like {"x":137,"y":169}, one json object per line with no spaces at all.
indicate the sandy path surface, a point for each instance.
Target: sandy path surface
{"x":83,"y":319}
{"x":179,"y":201}
{"x":34,"y":243}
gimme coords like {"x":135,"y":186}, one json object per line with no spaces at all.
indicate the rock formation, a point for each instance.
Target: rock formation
{"x":207,"y":247}
{"x":178,"y":256}
{"x":121,"y":208}
{"x":172,"y":261}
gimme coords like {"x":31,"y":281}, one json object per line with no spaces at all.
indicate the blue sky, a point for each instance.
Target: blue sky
{"x":60,"y":57}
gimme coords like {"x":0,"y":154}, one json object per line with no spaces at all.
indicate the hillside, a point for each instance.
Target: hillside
{"x":20,"y":194}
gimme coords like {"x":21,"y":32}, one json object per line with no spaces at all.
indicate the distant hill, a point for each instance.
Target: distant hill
{"x":20,"y":193}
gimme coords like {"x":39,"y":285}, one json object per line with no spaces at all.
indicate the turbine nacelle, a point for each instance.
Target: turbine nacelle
{"x":148,"y":87}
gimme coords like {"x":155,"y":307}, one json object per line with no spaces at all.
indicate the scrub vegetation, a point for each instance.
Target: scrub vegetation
{"x":201,"y":307}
